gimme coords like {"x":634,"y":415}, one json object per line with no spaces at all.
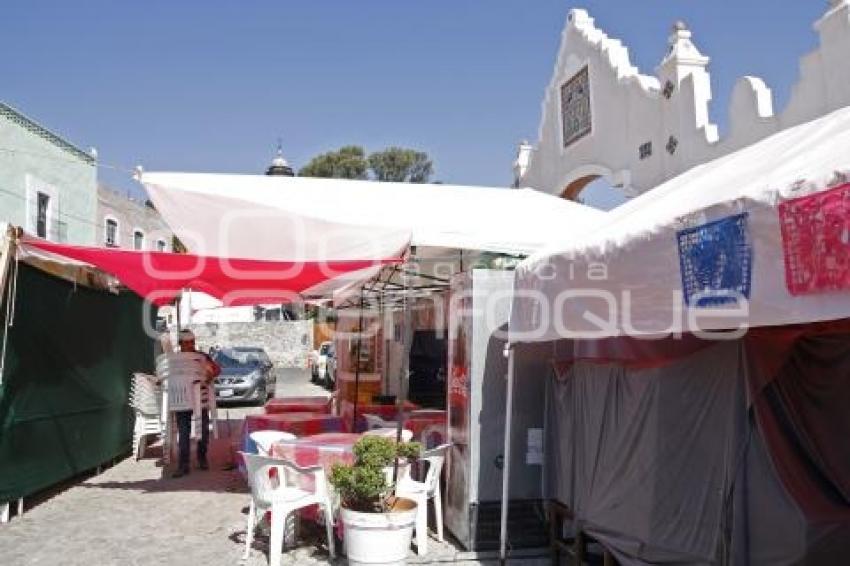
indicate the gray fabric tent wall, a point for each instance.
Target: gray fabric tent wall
{"x":667,"y":465}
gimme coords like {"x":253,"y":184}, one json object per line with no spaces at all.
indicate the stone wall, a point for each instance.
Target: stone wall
{"x":287,"y":342}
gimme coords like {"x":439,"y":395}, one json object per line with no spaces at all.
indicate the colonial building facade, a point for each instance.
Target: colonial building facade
{"x":48,"y":186}
{"x":128,"y":223}
{"x":603,"y":118}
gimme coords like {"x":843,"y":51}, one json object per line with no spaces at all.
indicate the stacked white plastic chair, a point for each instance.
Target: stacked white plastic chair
{"x":421,"y":492}
{"x":282,"y":495}
{"x":182,"y":374}
{"x":146,"y":400}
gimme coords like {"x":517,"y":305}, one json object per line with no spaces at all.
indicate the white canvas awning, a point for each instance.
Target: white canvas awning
{"x":307,"y":219}
{"x":292,"y":218}
{"x":624,"y":277}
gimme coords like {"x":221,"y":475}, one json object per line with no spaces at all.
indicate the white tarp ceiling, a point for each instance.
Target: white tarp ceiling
{"x":624,"y":276}
{"x":292,"y":218}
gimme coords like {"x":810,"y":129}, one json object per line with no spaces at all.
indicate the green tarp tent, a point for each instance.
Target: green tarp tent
{"x":63,"y":398}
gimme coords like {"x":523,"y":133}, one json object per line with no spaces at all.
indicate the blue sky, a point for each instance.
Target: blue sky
{"x":210,"y":86}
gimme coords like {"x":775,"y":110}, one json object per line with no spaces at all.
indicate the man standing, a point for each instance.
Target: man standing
{"x":211,"y":370}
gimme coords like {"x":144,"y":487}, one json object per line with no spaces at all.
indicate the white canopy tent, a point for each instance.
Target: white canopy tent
{"x":624,"y":278}
{"x":320,"y":219}
{"x":297,"y":218}
{"x":631,"y":260}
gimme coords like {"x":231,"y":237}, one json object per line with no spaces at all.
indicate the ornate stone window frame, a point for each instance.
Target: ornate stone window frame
{"x":570,"y":138}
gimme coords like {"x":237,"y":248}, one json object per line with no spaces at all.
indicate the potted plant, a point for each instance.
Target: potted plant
{"x":377,"y":525}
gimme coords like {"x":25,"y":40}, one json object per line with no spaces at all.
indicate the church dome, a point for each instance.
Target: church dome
{"x":280,"y":167}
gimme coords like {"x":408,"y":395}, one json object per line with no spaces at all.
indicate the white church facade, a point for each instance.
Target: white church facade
{"x":602,"y":118}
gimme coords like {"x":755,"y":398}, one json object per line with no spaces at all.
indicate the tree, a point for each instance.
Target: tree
{"x":401,"y":165}
{"x":347,"y":163}
{"x":350,"y":162}
{"x":177,"y":246}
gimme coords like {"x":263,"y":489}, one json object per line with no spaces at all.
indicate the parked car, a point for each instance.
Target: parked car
{"x":324,"y":365}
{"x":247,"y":374}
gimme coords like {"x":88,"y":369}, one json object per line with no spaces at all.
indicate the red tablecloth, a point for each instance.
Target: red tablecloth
{"x":316,"y":404}
{"x":428,"y":426}
{"x":386,"y":412}
{"x":299,"y":424}
{"x":325,"y":449}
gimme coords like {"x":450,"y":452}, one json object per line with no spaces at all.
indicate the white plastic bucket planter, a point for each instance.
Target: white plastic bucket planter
{"x":379,"y":538}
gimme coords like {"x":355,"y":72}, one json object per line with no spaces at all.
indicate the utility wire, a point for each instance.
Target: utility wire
{"x":97,"y":163}
{"x":60,"y":213}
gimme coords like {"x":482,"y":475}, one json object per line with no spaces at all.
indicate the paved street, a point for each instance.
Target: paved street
{"x":129,"y":516}
{"x":295,"y":382}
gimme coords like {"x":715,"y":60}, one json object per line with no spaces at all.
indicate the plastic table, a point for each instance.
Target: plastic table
{"x":326,"y":449}
{"x":315,"y":404}
{"x":299,"y":424}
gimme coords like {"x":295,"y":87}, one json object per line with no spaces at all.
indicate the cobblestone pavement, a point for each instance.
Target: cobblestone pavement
{"x":129,"y":516}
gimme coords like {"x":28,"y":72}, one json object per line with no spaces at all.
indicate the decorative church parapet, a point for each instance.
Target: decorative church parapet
{"x":602,"y":118}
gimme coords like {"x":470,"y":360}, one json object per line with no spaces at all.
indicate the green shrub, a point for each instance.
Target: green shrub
{"x":363,"y":486}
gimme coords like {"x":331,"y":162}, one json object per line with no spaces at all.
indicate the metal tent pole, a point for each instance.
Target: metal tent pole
{"x":357,"y":364}
{"x":506,"y":471}
{"x":189,"y":308}
{"x":404,"y":374}
{"x":178,"y":304}
{"x":7,"y":290}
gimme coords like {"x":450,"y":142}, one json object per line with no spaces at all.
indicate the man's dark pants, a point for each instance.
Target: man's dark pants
{"x":184,"y":432}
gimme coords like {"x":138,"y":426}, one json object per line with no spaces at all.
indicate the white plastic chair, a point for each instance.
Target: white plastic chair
{"x":432,"y":436}
{"x":182,"y":374}
{"x":406,"y":435}
{"x":282,"y":496}
{"x":265,"y":438}
{"x":421,"y":492}
{"x":374,"y":421}
{"x":146,"y":401}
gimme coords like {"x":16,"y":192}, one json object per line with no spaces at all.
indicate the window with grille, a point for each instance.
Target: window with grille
{"x":111,"y":237}
{"x":576,"y":117}
{"x":42,"y":206}
{"x":138,"y":240}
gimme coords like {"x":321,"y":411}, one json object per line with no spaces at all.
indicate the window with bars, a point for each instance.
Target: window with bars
{"x":576,"y":117}
{"x":111,"y":233}
{"x":42,"y":206}
{"x":138,"y":240}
